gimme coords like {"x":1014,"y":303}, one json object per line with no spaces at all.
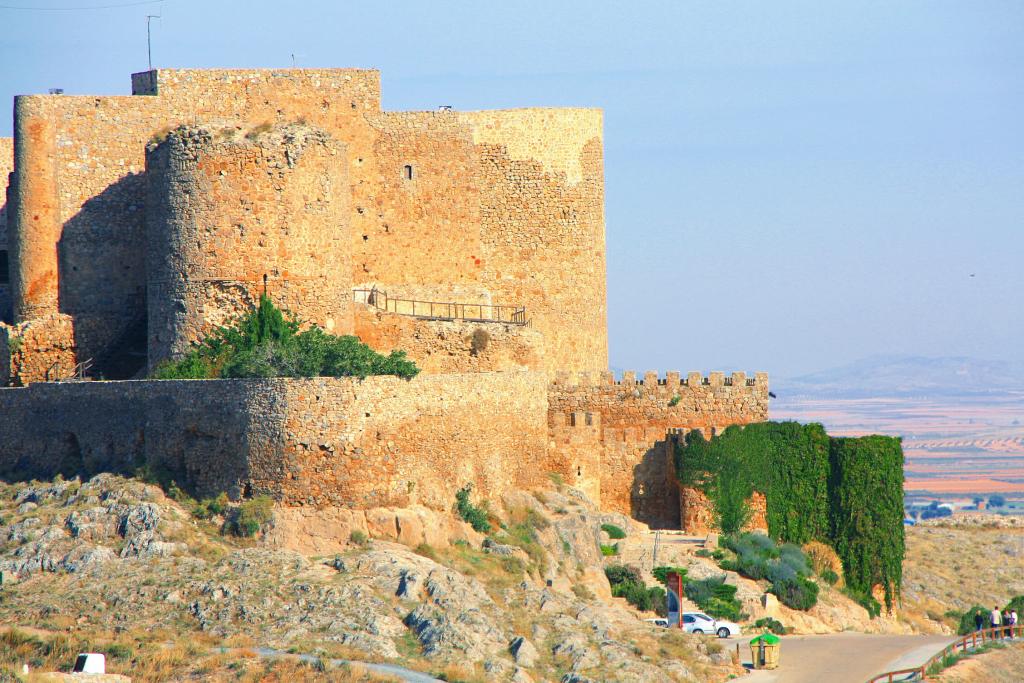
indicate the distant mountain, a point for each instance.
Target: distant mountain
{"x":907,"y":376}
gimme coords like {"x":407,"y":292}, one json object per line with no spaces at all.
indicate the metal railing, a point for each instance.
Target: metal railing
{"x":966,"y":644}
{"x":441,"y":310}
{"x":78,"y":373}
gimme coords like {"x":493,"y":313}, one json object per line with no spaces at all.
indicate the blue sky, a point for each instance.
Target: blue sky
{"x":790,"y":185}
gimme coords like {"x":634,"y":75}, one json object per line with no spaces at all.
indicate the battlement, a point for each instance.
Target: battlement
{"x":652,"y":379}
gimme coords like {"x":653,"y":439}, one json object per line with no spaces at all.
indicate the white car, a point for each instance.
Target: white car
{"x":698,"y":622}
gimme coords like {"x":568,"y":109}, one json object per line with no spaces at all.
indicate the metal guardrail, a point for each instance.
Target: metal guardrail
{"x":966,"y":643}
{"x":78,"y":373}
{"x":441,"y":310}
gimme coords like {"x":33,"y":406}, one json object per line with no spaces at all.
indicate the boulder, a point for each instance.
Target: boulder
{"x":523,"y":652}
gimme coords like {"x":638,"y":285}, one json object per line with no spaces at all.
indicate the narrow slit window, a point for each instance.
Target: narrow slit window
{"x":407,"y":172}
{"x":5,"y":272}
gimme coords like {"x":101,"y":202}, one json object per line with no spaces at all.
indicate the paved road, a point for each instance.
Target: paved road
{"x":841,"y":657}
{"x":399,"y":672}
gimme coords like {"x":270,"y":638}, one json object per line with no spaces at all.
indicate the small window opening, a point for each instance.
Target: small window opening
{"x":5,"y":271}
{"x":579,"y":471}
{"x":407,"y":172}
{"x":590,"y":419}
{"x":572,"y":419}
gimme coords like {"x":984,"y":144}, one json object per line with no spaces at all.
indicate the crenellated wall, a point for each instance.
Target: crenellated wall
{"x":382,"y":441}
{"x":638,"y":418}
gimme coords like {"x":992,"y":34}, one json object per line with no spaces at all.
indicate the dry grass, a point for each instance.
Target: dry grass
{"x":997,"y":666}
{"x":259,"y":130}
{"x":157,"y":662}
{"x":823,"y":557}
{"x":953,"y":569}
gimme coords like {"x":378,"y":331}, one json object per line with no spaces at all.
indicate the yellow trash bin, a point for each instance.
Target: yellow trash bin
{"x":765,"y":651}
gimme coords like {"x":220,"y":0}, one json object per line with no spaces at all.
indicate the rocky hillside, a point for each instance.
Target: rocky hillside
{"x":951,"y":567}
{"x":114,"y":565}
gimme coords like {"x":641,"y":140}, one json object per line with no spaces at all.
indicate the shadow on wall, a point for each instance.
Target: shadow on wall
{"x":102,"y":278}
{"x":654,"y":494}
{"x":63,"y":453}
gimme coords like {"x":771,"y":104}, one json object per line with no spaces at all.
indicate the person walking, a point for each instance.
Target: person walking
{"x":979,"y":620}
{"x":1013,"y":621}
{"x":994,"y":619}
{"x":1007,"y":628}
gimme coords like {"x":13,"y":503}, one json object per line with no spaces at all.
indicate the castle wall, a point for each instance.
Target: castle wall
{"x":638,"y":421}
{"x":451,"y":347}
{"x":393,"y":442}
{"x":697,"y":514}
{"x":542,"y":225}
{"x":6,"y":167}
{"x":200,"y":432}
{"x":326,"y":441}
{"x":575,"y":450}
{"x":501,"y":207}
{"x":418,"y":237}
{"x":39,"y":349}
{"x":225,"y":210}
{"x":95,"y":147}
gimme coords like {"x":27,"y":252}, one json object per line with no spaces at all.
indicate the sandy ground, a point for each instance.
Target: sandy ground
{"x":841,"y":657}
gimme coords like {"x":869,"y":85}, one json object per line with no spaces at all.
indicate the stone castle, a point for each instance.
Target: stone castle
{"x":474,"y":241}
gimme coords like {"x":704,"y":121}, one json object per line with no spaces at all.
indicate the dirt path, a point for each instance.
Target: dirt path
{"x":841,"y":657}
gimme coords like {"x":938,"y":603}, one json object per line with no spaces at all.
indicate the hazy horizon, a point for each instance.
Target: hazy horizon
{"x":790,"y":187}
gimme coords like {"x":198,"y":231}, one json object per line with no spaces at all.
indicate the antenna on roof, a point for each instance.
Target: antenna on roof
{"x":149,"y":42}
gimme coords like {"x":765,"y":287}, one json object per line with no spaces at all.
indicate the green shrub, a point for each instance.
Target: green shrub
{"x":251,"y":515}
{"x":829,"y":577}
{"x":786,"y":566}
{"x":620,"y":573}
{"x":796,"y":593}
{"x":715,"y":597}
{"x":264,"y":343}
{"x":966,"y":620}
{"x":609,"y":550}
{"x":674,"y":401}
{"x":703,"y":552}
{"x":661,"y":573}
{"x":358,"y":537}
{"x":772,"y":625}
{"x":614,"y":532}
{"x":209,"y":507}
{"x":627,"y":583}
{"x":475,"y":516}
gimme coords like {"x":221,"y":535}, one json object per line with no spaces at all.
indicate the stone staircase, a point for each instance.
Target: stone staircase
{"x":649,"y":549}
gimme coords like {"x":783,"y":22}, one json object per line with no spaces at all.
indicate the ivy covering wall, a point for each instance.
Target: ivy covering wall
{"x":866,"y":486}
{"x":847,"y":492}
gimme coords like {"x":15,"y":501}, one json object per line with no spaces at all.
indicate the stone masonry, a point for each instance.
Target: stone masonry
{"x":134,"y":225}
{"x":502,"y":207}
